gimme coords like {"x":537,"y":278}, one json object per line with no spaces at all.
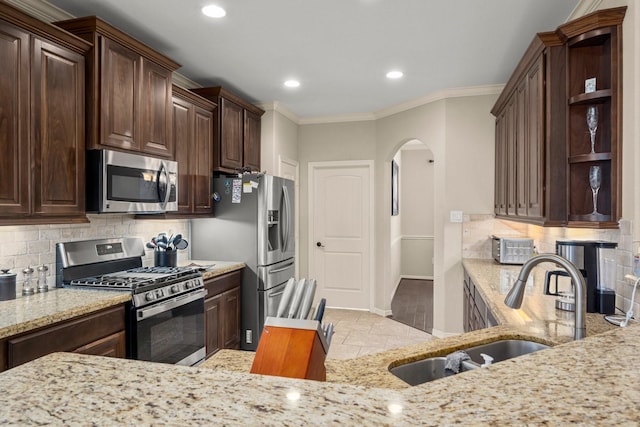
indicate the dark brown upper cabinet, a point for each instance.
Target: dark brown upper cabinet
{"x":543,"y":155}
{"x":129,"y":105}
{"x":42,"y":70}
{"x":236,"y":131}
{"x":193,"y":118}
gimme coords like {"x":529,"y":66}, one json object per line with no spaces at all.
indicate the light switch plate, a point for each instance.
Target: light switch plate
{"x":455,"y":216}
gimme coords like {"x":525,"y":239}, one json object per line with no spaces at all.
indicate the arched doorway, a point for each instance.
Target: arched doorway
{"x":412,"y":237}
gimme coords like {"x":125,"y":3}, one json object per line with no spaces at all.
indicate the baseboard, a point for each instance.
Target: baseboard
{"x":379,"y":312}
{"x":410,"y":277}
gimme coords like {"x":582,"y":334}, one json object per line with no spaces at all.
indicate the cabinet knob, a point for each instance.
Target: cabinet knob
{"x":320,"y":245}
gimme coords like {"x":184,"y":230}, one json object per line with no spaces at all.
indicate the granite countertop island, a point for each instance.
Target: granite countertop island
{"x":584,"y":381}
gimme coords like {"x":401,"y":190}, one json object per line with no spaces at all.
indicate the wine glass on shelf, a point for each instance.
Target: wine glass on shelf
{"x":592,"y":123}
{"x":595,"y":180}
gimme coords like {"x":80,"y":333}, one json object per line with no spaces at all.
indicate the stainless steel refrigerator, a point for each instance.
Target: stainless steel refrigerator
{"x":253,"y":223}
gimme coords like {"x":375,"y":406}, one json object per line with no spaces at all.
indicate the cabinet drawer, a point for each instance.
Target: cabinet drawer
{"x":65,"y":336}
{"x":220,"y":284}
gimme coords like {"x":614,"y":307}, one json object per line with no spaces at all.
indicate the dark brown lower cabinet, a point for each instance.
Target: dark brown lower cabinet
{"x":475,"y":312}
{"x":99,"y":333}
{"x":222,"y":312}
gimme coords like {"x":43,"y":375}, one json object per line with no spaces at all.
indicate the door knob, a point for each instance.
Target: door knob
{"x":320,"y":245}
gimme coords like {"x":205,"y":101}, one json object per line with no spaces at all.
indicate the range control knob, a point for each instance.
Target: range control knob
{"x":188,"y":284}
{"x":175,"y":289}
{"x":149,"y":296}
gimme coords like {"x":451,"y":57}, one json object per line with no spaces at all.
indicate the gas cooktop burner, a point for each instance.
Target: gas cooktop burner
{"x":138,"y":278}
{"x":162,"y":270}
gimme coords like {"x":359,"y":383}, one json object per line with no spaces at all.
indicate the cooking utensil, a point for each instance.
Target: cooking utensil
{"x":297,"y":298}
{"x":162,"y":245}
{"x":150,"y":245}
{"x":329,"y":333}
{"x":182,"y":244}
{"x":320,"y":310}
{"x":286,"y":297}
{"x":307,"y":299}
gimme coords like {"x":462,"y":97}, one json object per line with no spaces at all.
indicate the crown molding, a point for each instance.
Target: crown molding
{"x":184,"y":82}
{"x":341,"y":118}
{"x":41,"y":9}
{"x":439,"y":96}
{"x":584,"y":7}
{"x":280,"y":108}
{"x":47,"y":12}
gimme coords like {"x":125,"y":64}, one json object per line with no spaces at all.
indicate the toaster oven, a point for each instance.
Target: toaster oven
{"x":511,"y":250}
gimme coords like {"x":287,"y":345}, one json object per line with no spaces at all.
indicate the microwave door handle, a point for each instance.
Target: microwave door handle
{"x":287,"y":212}
{"x":163,"y":185}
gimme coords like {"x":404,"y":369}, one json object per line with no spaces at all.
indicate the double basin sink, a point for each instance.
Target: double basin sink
{"x":433,"y":368}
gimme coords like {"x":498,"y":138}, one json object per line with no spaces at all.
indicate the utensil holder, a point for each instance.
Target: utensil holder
{"x":292,"y":348}
{"x":165,"y":258}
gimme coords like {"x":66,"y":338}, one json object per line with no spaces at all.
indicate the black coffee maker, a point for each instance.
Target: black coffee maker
{"x":587,"y":256}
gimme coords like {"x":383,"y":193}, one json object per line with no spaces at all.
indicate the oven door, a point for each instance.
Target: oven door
{"x":171,"y":331}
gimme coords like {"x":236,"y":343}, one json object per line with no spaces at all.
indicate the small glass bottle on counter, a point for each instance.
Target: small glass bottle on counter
{"x":27,"y":284}
{"x":42,"y":278}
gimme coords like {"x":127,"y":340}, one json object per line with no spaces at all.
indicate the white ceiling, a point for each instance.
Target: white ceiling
{"x":340,"y":50}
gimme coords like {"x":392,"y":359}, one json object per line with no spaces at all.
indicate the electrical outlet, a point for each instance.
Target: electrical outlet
{"x":248,"y":336}
{"x":455,"y":216}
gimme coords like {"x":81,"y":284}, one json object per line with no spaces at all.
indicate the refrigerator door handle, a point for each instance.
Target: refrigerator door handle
{"x":287,"y":210}
{"x":280,"y":270}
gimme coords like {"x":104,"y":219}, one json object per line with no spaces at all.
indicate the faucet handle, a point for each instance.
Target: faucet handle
{"x":488,"y":360}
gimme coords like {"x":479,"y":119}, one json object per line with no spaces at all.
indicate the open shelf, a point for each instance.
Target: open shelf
{"x":597,"y":97}
{"x":583,"y":158}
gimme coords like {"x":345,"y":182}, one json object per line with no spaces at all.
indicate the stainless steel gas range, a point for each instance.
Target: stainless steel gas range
{"x":165,"y":318}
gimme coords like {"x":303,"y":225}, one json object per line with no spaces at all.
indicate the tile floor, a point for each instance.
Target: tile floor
{"x":359,"y":332}
{"x":412,"y":304}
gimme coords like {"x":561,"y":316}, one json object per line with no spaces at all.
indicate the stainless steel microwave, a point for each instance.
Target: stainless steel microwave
{"x":119,"y":182}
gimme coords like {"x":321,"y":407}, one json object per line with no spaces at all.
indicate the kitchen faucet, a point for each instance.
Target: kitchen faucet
{"x":516,"y":294}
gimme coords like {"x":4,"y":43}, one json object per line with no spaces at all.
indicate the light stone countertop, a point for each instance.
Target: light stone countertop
{"x":584,"y":382}
{"x":551,"y":327}
{"x":26,"y":313}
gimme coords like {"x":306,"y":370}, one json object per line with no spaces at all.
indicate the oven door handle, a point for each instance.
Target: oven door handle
{"x":145,"y":313}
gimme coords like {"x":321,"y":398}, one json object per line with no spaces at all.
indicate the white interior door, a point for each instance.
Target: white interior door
{"x":340,"y":232}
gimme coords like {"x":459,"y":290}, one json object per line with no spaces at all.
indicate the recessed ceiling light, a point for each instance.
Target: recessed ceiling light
{"x":292,"y":83}
{"x":214,"y":11}
{"x":394,"y":74}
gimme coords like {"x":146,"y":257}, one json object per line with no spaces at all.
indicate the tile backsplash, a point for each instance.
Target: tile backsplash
{"x":476,"y":243}
{"x":34,"y":245}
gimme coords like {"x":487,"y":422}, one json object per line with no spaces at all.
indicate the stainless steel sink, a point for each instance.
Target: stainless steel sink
{"x":430,"y":369}
{"x":504,"y":349}
{"x":425,"y":370}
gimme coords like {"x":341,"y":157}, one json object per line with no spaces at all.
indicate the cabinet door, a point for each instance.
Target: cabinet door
{"x":252,"y":141}
{"x":120,"y":91}
{"x":213,"y":324}
{"x":156,"y":110}
{"x":183,"y":147}
{"x":535,"y":139}
{"x":510,"y":142}
{"x":111,"y":346}
{"x":14,"y":121}
{"x":231,"y":134}
{"x":521,"y":153}
{"x":231,"y":315}
{"x":500,"y":196}
{"x":58,"y":130}
{"x":202,"y":160}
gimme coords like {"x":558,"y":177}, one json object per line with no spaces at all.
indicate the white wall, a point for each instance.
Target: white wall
{"x":417,"y":207}
{"x":460,"y":134}
{"x":279,"y":139}
{"x":328,"y":142}
{"x":395,"y":231}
